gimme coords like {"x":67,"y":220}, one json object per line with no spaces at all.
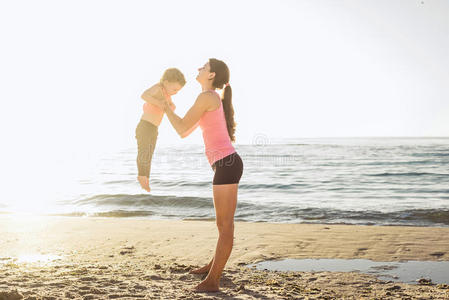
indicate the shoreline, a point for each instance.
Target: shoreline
{"x":158,"y":254}
{"x":164,"y":218}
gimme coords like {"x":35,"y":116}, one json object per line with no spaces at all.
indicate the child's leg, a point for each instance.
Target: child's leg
{"x":151,"y":148}
{"x":146,"y":135}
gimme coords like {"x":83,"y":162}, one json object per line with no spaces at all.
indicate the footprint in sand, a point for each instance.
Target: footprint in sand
{"x":11,"y":295}
{"x":5,"y":258}
{"x":153,"y":277}
{"x":437,"y":254}
{"x":183,"y":277}
{"x":360,"y":251}
{"x":140,"y":287}
{"x":88,"y":278}
{"x":127,"y":250}
{"x":114,"y":281}
{"x":114,"y":296}
{"x":178,"y":268}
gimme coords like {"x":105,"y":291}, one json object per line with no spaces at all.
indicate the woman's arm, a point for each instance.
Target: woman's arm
{"x":188,"y":132}
{"x":153,"y":95}
{"x":185,"y":125}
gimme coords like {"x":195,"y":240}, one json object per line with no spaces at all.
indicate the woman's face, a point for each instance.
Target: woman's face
{"x":204,"y":74}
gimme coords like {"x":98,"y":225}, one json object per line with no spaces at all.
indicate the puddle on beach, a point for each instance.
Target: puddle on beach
{"x":30,"y":258}
{"x":406,"y":271}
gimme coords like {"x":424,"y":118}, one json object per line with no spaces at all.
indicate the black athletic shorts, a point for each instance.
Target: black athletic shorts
{"x":228,"y":170}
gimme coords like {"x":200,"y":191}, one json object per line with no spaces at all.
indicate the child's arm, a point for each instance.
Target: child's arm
{"x":154,"y":96}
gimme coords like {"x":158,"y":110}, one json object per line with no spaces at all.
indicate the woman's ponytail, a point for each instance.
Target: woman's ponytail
{"x":221,"y":80}
{"x":229,"y":111}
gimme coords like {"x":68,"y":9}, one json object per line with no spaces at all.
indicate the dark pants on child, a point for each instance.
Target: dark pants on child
{"x":146,"y":135}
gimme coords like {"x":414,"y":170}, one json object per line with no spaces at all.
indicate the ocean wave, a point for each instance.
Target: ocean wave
{"x":395,"y":163}
{"x":183,"y":183}
{"x":271,"y":186}
{"x":164,"y":183}
{"x":118,"y":182}
{"x":144,"y":200}
{"x":443,"y":154}
{"x":110,"y":214}
{"x":148,"y":201}
{"x":144,"y":205}
{"x":272,"y":155}
{"x":416,"y":217}
{"x":280,"y":214}
{"x":407,"y":174}
{"x":123,"y":214}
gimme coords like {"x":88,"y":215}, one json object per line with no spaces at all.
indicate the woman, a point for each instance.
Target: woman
{"x":215,"y":116}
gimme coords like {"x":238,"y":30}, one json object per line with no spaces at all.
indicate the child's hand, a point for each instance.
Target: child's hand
{"x":171,"y":104}
{"x":165,"y":94}
{"x":161,"y":103}
{"x":166,"y":105}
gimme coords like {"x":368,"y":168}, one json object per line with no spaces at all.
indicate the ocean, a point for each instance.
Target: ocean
{"x":369,"y":181}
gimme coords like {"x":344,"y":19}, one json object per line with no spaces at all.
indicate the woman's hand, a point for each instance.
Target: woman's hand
{"x":166,"y":105}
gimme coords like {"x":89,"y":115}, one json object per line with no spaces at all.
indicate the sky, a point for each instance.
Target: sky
{"x":72,"y":72}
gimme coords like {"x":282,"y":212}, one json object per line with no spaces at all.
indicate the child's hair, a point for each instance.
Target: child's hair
{"x":173,"y":75}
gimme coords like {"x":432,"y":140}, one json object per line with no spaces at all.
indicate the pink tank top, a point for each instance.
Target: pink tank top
{"x":149,"y":108}
{"x":215,"y":134}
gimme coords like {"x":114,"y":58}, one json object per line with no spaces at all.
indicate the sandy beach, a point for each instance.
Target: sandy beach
{"x":105,"y":258}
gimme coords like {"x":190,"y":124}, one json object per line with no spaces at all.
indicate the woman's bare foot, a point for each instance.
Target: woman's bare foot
{"x":207,"y":286}
{"x":144,"y":182}
{"x":203,"y":270}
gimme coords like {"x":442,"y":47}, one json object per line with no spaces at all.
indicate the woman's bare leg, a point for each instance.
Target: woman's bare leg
{"x":225,"y":202}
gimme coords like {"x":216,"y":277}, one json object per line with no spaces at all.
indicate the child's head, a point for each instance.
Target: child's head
{"x":173,"y":80}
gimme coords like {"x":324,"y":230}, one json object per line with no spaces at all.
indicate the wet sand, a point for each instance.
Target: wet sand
{"x":107,"y":258}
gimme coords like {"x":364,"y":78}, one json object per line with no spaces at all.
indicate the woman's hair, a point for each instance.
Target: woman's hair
{"x":221,"y":78}
{"x":173,"y":75}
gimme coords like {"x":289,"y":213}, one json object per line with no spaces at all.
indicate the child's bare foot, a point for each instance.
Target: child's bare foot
{"x":144,"y":182}
{"x":207,"y":286}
